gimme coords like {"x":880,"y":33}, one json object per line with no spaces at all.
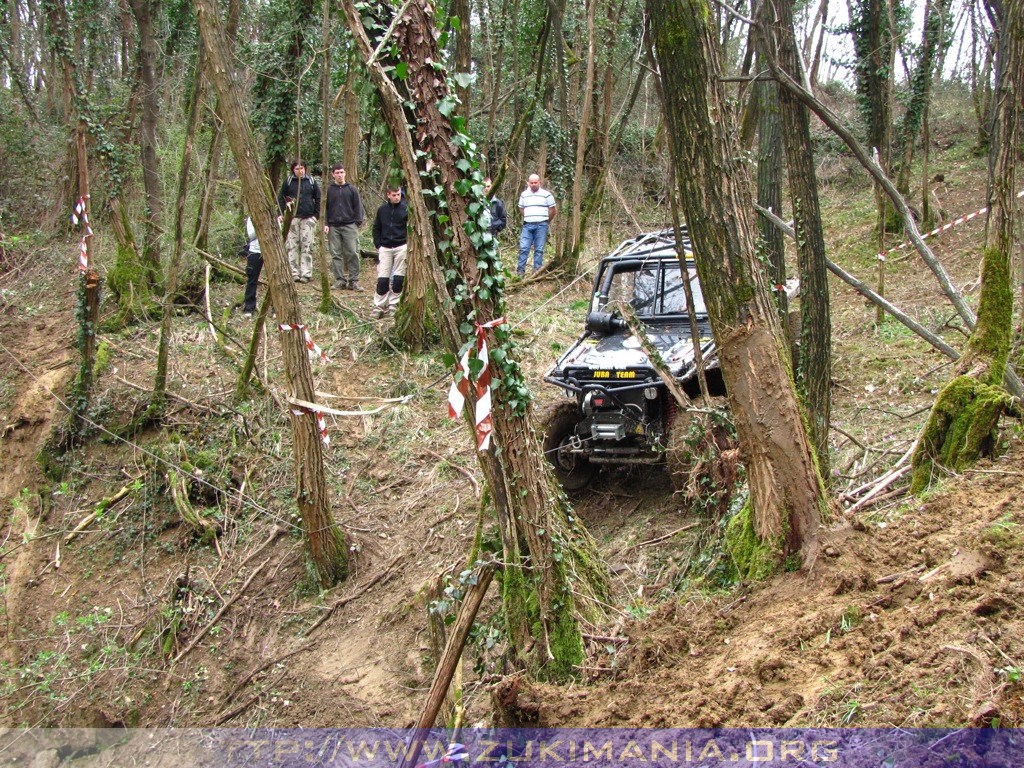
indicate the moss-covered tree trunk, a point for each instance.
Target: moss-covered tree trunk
{"x":325,"y":543}
{"x":963,"y":424}
{"x":787,"y":497}
{"x":548,"y":559}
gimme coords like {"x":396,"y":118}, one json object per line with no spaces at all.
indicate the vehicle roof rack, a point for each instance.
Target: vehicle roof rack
{"x":661,"y":243}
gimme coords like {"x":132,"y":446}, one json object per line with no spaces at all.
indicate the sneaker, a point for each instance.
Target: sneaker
{"x":379,"y":313}
{"x":339,"y":285}
{"x":247,"y":315}
{"x":353,"y":285}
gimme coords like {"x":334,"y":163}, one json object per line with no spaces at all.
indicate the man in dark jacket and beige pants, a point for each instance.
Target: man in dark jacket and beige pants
{"x":389,"y":237}
{"x":304,"y":191}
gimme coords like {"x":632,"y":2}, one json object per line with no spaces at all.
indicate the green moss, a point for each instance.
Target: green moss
{"x":519,"y":601}
{"x":991,"y":336}
{"x":962,"y":428}
{"x":752,"y":558}
{"x":564,"y":638}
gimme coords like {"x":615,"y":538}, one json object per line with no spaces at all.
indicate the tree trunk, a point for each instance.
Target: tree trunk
{"x":787,"y":497}
{"x":148,"y":53}
{"x":463,"y":55}
{"x":325,"y":543}
{"x":352,"y":137}
{"x":769,"y":189}
{"x":159,"y":397}
{"x":814,"y":368}
{"x":963,"y":425}
{"x":542,"y":599}
{"x":936,"y":12}
{"x":573,"y":242}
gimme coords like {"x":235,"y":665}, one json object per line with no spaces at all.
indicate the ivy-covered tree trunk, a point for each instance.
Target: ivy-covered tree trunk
{"x":933,"y":42}
{"x":813,"y":369}
{"x":963,"y":424}
{"x":324,"y":541}
{"x":787,"y":498}
{"x":148,"y":53}
{"x":549,"y":560}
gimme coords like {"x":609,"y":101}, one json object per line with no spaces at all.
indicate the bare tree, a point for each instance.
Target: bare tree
{"x":813,"y":368}
{"x":549,"y":562}
{"x":787,"y":498}
{"x":963,"y":424}
{"x":325,"y":542}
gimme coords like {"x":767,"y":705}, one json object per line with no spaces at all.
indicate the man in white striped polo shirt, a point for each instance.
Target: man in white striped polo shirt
{"x":538,"y":208}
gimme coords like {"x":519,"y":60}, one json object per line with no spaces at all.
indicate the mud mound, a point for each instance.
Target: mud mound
{"x":912,"y":620}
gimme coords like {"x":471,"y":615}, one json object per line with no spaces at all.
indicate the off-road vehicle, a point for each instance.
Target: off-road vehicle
{"x":619,"y":410}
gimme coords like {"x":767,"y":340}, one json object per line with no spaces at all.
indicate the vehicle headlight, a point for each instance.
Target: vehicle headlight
{"x":651,"y":393}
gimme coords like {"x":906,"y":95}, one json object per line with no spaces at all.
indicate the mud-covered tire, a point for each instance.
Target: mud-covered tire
{"x":574,"y":472}
{"x":678,"y":451}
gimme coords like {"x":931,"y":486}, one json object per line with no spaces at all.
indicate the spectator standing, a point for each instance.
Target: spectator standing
{"x":499,"y":218}
{"x":538,"y":208}
{"x":390,"y":238}
{"x":344,"y":217}
{"x":301,"y":234}
{"x":253,"y":267}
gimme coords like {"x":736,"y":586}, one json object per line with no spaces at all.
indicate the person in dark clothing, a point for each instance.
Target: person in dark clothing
{"x":390,"y":238}
{"x":302,"y":232}
{"x":499,"y":218}
{"x":344,"y":217}
{"x":253,"y":267}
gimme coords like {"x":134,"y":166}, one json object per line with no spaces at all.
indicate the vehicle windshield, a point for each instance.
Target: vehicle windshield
{"x":655,"y":288}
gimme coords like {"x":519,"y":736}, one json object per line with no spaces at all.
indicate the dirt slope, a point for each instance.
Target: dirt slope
{"x":910,"y":617}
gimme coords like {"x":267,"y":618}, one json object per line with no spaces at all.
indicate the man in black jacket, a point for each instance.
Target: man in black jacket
{"x":389,"y":237}
{"x":344,"y":217}
{"x":302,"y":232}
{"x":499,"y":218}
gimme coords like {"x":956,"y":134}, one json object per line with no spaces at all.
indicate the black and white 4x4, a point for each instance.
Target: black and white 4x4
{"x":619,"y":411}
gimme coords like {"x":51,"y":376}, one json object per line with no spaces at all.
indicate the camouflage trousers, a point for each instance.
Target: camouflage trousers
{"x":301,"y":238}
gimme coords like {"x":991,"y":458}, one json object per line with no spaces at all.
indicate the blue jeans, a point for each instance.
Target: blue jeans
{"x":535,"y":234}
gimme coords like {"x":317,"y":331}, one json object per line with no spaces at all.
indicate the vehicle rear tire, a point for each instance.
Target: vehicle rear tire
{"x":573,"y":471}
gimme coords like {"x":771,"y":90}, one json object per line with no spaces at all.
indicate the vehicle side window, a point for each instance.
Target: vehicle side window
{"x":621,"y":291}
{"x":674,"y":301}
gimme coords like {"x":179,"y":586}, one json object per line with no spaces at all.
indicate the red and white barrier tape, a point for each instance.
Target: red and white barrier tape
{"x":80,"y":215}
{"x":955,"y":222}
{"x":321,"y":423}
{"x":311,"y":346}
{"x":460,"y":387}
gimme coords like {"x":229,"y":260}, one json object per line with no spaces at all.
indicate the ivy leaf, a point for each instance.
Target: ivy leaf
{"x":498,"y":355}
{"x":464,"y":79}
{"x":446,"y":106}
{"x":456,"y":23}
{"x":449,"y":359}
{"x":402,"y":70}
{"x":463,"y":165}
{"x":466,"y":328}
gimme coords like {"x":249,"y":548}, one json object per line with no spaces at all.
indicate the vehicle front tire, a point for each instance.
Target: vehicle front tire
{"x":573,"y":471}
